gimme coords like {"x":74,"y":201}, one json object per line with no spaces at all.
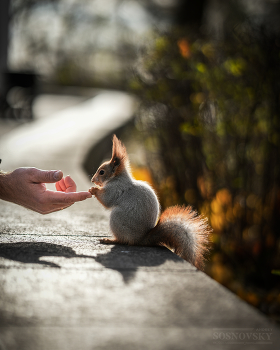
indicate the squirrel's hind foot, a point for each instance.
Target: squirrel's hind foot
{"x":109,"y":241}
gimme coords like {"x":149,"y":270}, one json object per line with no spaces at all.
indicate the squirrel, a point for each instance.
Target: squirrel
{"x":134,"y":218}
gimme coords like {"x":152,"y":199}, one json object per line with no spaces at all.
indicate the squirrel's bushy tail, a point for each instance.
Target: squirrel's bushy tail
{"x":183,"y":231}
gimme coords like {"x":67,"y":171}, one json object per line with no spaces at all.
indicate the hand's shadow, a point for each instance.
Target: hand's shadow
{"x":124,"y":259}
{"x":30,"y":252}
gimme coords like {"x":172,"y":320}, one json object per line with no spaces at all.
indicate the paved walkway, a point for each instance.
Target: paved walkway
{"x":61,"y":289}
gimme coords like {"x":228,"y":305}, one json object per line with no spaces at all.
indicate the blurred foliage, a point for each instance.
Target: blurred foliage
{"x":77,"y":42}
{"x":211,"y":119}
{"x":81,"y":42}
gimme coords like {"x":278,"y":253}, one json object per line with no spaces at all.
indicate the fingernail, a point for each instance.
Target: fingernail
{"x":57,"y":175}
{"x":89,"y":195}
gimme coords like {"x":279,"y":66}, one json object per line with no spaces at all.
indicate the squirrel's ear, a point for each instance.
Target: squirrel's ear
{"x":119,"y":158}
{"x":115,"y":163}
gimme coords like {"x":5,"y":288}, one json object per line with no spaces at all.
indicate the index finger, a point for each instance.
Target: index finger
{"x":67,"y":198}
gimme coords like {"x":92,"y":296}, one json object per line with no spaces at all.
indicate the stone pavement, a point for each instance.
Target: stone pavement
{"x":61,"y":289}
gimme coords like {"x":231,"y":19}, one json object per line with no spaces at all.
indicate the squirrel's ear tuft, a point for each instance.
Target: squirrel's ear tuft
{"x":119,"y":150}
{"x":119,"y":160}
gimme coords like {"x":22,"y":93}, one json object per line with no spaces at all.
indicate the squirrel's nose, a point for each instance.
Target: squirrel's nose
{"x":94,"y":179}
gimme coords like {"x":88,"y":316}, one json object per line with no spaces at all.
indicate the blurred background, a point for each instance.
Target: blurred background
{"x":207,"y":76}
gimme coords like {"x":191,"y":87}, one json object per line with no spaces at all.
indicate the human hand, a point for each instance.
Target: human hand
{"x":26,"y":187}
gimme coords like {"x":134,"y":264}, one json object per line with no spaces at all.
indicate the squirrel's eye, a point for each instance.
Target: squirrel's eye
{"x":101,"y":172}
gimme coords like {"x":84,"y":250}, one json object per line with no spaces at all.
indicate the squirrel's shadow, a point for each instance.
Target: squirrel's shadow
{"x":124,"y":259}
{"x":128,"y":259}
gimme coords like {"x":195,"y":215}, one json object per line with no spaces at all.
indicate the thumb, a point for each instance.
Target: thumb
{"x":47,"y":176}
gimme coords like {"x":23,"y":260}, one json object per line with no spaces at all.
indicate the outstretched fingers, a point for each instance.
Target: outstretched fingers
{"x":67,"y":197}
{"x":70,"y":184}
{"x":54,"y":201}
{"x":66,"y":184}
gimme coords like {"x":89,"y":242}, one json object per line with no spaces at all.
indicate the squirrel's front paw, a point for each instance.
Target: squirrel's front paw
{"x":93,"y":190}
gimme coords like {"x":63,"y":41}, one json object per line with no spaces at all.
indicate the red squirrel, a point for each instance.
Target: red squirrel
{"x":134,"y":218}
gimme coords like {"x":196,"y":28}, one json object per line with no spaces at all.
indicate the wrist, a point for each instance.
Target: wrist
{"x":4,"y":185}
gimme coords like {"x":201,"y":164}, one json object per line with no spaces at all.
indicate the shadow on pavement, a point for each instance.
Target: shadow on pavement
{"x":31,"y":252}
{"x":127,"y":259}
{"x":124,"y":259}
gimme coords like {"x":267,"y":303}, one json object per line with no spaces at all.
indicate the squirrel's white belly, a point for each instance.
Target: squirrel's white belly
{"x":136,"y":215}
